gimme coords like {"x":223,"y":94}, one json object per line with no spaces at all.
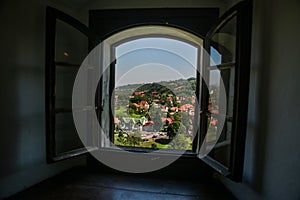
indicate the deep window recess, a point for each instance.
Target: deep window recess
{"x":221,"y":117}
{"x":153,"y":88}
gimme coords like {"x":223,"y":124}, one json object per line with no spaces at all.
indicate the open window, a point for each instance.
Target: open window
{"x":123,"y":105}
{"x":223,"y":130}
{"x":155,"y":97}
{"x":153,"y":87}
{"x":66,"y":47}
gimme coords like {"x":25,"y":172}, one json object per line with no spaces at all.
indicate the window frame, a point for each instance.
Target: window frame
{"x":113,"y":22}
{"x":243,"y":12}
{"x":242,"y":75}
{"x":195,"y":142}
{"x":52,"y":15}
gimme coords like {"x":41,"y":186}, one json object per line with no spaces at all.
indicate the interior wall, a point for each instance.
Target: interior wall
{"x":272,"y":164}
{"x":272,"y":158}
{"x":121,"y":4}
{"x":22,"y":141}
{"x":22,"y":138}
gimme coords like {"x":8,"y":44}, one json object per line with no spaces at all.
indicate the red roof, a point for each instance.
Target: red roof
{"x":185,"y":107}
{"x":169,"y":120}
{"x":214,"y":111}
{"x":148,"y":123}
{"x":214,"y":122}
{"x":138,"y":93}
{"x":116,"y":120}
{"x":141,"y":104}
{"x":173,"y":108}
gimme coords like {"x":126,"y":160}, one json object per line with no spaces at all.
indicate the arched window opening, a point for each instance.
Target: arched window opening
{"x":153,"y":81}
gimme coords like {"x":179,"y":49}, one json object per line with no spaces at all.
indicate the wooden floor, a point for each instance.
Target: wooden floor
{"x":83,"y":183}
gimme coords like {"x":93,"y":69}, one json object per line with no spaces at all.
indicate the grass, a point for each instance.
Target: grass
{"x":121,"y":111}
{"x":148,"y":144}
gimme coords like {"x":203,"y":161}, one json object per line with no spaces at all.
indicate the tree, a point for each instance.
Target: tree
{"x":130,"y":139}
{"x":175,"y":128}
{"x":156,"y":117}
{"x":181,"y":129}
{"x":121,"y":139}
{"x":179,"y":142}
{"x":134,"y":139}
{"x":177,"y":116}
{"x":186,"y":121}
{"x":163,"y":99}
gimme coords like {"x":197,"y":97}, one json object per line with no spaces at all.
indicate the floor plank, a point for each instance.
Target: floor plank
{"x":83,"y":183}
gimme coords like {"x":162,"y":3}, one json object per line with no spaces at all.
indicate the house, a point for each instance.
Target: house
{"x":186,"y":107}
{"x":272,"y":161}
{"x":138,"y":93}
{"x":167,"y":120}
{"x":142,"y":104}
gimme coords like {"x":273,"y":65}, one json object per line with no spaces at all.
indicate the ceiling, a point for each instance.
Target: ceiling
{"x":73,"y":4}
{"x":78,"y":5}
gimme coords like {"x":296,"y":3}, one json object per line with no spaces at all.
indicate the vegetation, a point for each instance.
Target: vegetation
{"x":126,"y":139}
{"x":181,"y":87}
{"x":179,"y":142}
{"x":147,"y":102}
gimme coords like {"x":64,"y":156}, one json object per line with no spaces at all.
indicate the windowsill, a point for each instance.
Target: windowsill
{"x":162,"y":152}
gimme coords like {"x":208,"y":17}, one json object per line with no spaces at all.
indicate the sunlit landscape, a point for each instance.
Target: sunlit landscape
{"x":153,"y":114}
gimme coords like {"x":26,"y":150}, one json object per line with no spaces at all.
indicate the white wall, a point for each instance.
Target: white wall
{"x":272,"y":159}
{"x":22,"y":137}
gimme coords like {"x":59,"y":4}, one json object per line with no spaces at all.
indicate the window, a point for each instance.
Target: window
{"x":154,"y":87}
{"x":66,"y":46}
{"x":149,"y":111}
{"x":151,"y":100}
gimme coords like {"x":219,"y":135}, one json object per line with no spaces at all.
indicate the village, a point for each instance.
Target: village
{"x":152,"y":115}
{"x":155,"y":116}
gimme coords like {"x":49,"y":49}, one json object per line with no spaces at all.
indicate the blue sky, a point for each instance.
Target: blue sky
{"x":150,"y":60}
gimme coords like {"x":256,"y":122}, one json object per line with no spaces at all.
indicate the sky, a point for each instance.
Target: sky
{"x":149,"y":60}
